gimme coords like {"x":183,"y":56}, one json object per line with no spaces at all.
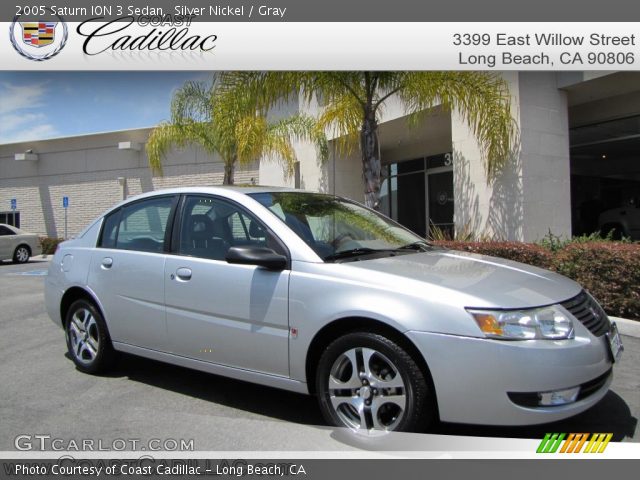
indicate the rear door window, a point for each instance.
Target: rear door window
{"x":140,"y":226}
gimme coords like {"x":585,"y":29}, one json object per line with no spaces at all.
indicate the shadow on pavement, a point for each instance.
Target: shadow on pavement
{"x":258,"y":399}
{"x":32,"y":261}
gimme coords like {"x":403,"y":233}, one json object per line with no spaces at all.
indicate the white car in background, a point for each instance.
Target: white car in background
{"x":18,"y":245}
{"x":624,"y":221}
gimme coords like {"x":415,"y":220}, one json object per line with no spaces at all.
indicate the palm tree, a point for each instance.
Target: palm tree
{"x":354,"y":100}
{"x":231,"y":127}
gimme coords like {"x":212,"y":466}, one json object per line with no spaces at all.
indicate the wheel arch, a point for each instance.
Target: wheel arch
{"x":342,"y":326}
{"x":76,"y":293}
{"x":23,"y":244}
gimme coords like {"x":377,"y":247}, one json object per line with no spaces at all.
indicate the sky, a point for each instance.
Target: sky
{"x":41,"y":105}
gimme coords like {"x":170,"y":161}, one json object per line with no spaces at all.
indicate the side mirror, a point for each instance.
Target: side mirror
{"x":260,"y":256}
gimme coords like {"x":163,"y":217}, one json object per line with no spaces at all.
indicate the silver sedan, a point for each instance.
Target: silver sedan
{"x":18,"y":245}
{"x":317,"y":294}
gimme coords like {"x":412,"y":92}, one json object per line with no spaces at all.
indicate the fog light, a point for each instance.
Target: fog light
{"x":559,"y":397}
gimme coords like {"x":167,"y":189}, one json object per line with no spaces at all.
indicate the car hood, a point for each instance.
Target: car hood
{"x":493,"y":282}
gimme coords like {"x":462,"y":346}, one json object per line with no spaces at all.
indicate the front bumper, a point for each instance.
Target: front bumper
{"x":473,"y":376}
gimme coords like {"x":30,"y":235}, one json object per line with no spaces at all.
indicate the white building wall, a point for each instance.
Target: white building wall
{"x":546,"y":169}
{"x":480,"y":206}
{"x":86,"y":169}
{"x":532,"y":195}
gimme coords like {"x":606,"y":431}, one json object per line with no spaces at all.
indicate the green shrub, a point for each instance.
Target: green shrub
{"x":49,"y":244}
{"x":609,"y":270}
{"x":528,"y":253}
{"x":555,"y":243}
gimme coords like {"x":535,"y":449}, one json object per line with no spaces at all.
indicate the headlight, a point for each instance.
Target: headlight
{"x":547,"y":323}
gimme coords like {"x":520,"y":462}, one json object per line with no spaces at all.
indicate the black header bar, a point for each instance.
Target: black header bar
{"x":335,"y":10}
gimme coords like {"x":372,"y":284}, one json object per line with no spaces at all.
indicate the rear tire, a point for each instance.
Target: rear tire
{"x":88,"y":339}
{"x":368,"y":383}
{"x":21,"y":254}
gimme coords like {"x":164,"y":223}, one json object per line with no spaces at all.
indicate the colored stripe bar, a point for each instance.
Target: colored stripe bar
{"x":567,"y":442}
{"x":605,"y":443}
{"x":543,"y":443}
{"x":585,"y":436}
{"x":555,"y":446}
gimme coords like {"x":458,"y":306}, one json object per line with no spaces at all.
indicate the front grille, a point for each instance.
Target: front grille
{"x":590,"y":314}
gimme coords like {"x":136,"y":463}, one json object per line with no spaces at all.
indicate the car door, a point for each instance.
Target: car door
{"x":6,"y":242}
{"x":233,"y":315}
{"x":127,"y":271}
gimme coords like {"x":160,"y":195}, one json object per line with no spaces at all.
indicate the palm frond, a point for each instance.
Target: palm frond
{"x":160,"y":141}
{"x":483,"y":101}
{"x":192,"y":101}
{"x":230,"y":116}
{"x":343,"y":118}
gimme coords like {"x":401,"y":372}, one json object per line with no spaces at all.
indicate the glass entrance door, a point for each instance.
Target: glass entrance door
{"x":418,"y":194}
{"x":441,"y":202}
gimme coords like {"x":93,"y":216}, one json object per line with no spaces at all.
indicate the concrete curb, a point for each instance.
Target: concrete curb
{"x":630,"y":328}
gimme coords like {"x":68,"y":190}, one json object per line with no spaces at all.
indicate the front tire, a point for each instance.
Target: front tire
{"x":21,"y":254}
{"x":368,"y":383}
{"x":88,"y":339}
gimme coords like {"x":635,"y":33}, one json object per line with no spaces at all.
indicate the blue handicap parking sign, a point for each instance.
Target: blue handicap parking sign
{"x":14,"y":204}
{"x":65,"y":202}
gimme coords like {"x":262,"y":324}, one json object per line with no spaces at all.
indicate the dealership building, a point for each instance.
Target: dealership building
{"x":578,"y":155}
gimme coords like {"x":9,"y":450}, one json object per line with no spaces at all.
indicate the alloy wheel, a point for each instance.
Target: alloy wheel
{"x":367,"y":391}
{"x":84,"y":336}
{"x":22,"y":254}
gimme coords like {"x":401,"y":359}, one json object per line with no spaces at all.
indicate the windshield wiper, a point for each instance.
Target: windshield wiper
{"x":354,"y":252}
{"x":420,"y":245}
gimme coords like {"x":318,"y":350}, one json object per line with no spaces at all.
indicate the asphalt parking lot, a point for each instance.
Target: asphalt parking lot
{"x":43,"y":394}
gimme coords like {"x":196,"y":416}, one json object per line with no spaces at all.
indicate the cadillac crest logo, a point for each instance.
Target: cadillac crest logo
{"x":38,"y":34}
{"x":38,"y":40}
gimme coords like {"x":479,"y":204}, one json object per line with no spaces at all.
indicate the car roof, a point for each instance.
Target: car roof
{"x":223,"y":190}
{"x":217,"y":189}
{"x":11,"y":227}
{"x":247,"y":189}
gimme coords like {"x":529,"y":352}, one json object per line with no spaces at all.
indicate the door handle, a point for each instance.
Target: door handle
{"x":107,"y":262}
{"x":183,"y":274}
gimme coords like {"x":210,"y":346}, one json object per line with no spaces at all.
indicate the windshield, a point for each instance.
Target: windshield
{"x":336,"y":228}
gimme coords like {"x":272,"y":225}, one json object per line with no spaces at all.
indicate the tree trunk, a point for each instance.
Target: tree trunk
{"x":371,"y":162}
{"x":229,"y":168}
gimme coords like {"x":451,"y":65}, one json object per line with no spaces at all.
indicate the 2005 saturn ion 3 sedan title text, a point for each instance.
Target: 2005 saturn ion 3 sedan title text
{"x":318,"y":294}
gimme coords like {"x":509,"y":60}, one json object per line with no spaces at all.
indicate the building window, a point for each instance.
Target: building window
{"x":418,"y":194}
{"x":605,"y":178}
{"x":10,"y":218}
